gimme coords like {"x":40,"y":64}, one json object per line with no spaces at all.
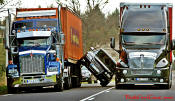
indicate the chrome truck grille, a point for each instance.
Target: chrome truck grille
{"x":142,"y":66}
{"x":32,"y":64}
{"x":144,"y":62}
{"x":142,"y":72}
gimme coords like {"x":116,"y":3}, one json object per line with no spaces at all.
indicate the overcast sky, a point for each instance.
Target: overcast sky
{"x":110,"y":7}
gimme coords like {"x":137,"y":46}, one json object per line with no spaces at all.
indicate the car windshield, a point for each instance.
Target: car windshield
{"x":83,"y":68}
{"x":106,"y":60}
{"x":35,"y":41}
{"x":142,"y":39}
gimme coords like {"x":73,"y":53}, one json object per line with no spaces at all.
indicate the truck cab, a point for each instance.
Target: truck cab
{"x":145,"y":45}
{"x":34,"y":57}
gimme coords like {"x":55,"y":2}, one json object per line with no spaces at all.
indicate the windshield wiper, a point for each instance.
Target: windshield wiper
{"x":153,"y":43}
{"x":129,"y":43}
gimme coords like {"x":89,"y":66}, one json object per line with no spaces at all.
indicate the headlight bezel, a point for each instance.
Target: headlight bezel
{"x":162,"y":63}
{"x":120,"y":63}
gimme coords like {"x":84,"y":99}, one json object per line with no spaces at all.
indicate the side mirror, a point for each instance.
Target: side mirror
{"x":173,"y":45}
{"x":62,"y":39}
{"x":7,"y":33}
{"x":112,"y":43}
{"x":92,"y":48}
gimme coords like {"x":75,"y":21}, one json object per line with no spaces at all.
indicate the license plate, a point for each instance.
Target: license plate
{"x":33,"y":81}
{"x":142,"y":79}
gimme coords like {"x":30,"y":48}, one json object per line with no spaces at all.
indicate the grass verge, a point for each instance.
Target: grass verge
{"x":3,"y":89}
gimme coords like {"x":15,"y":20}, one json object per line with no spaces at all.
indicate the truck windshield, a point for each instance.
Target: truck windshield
{"x":35,"y":41}
{"x":140,"y":39}
{"x":22,"y":24}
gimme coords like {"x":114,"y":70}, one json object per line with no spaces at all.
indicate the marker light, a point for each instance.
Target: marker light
{"x":10,"y":62}
{"x":30,"y":30}
{"x":147,"y":29}
{"x":164,"y":30}
{"x":57,"y":59}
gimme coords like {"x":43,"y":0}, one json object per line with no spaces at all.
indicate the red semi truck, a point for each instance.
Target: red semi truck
{"x":145,"y":45}
{"x":44,"y":46}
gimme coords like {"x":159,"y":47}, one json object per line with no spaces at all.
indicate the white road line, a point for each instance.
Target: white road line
{"x":91,"y":98}
{"x":7,"y":94}
{"x":96,"y":94}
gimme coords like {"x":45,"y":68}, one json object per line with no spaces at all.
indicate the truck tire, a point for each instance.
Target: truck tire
{"x":59,"y":86}
{"x":67,"y":83}
{"x":79,"y":82}
{"x":12,"y":90}
{"x":89,"y":80}
{"x":103,"y":84}
{"x":117,"y":86}
{"x":168,"y":86}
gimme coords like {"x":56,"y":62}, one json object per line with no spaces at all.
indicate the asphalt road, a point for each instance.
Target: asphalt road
{"x":94,"y":92}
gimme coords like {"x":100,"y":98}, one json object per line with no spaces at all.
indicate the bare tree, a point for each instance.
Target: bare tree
{"x":74,"y":5}
{"x":4,"y":3}
{"x":91,"y":4}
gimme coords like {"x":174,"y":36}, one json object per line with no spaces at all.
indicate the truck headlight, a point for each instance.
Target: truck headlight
{"x":125,"y":72}
{"x":121,"y":63}
{"x":158,"y":72}
{"x":162,"y":63}
{"x":13,"y":72}
{"x":53,"y":69}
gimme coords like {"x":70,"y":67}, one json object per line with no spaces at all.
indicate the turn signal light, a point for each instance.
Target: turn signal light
{"x":57,"y":59}
{"x":10,"y":62}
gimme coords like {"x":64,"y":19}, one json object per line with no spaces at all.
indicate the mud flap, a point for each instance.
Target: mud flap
{"x":100,"y":64}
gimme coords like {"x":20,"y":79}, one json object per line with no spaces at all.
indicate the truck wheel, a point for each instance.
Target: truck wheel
{"x":67,"y":83}
{"x":103,"y":84}
{"x":89,"y":81}
{"x":95,"y":81}
{"x":59,"y":85}
{"x":12,"y":90}
{"x":168,"y":86}
{"x":76,"y":82}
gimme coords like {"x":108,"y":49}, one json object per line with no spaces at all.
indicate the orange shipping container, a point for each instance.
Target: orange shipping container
{"x":72,"y":28}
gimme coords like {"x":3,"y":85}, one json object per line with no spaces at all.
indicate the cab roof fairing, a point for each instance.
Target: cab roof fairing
{"x":153,"y":18}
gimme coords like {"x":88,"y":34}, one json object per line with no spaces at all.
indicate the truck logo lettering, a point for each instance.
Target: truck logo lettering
{"x":74,"y":36}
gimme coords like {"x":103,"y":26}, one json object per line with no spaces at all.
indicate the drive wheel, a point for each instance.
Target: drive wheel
{"x":103,"y":84}
{"x":67,"y":83}
{"x":59,"y":86}
{"x":89,"y":80}
{"x":168,"y":86}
